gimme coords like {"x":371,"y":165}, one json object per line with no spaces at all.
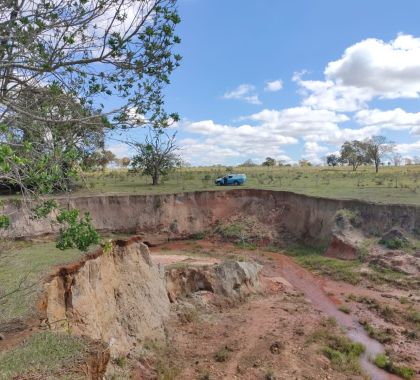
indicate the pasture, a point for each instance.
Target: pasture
{"x":390,"y":185}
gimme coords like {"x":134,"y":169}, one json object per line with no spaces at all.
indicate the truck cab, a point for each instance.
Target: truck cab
{"x":231,"y":179}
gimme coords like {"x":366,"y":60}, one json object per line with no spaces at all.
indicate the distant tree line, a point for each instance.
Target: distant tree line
{"x":371,"y":151}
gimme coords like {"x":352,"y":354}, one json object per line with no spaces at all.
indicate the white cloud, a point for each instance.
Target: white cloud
{"x":396,"y":119}
{"x":385,"y":69}
{"x":369,"y":69}
{"x":244,"y":92}
{"x":329,"y":95}
{"x":313,"y":152}
{"x":121,"y":150}
{"x":300,"y":122}
{"x":406,"y":149}
{"x":218,"y":143}
{"x":273,"y":86}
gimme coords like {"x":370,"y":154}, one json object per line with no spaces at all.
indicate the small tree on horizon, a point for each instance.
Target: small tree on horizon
{"x":157,"y":155}
{"x":376,"y":148}
{"x":333,"y":160}
{"x":354,"y":153}
{"x":269,"y":162}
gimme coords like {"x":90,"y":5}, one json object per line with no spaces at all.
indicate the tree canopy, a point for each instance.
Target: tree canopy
{"x":157,"y":155}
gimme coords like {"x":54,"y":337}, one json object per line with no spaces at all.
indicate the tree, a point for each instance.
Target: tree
{"x":99,"y":159}
{"x":248,"y":163}
{"x":304,"y":162}
{"x":125,"y":161}
{"x":397,"y":158}
{"x":353,"y":153}
{"x":333,"y":160}
{"x":376,"y":148}
{"x":157,"y":156}
{"x":50,"y":153}
{"x":71,"y":57}
{"x":80,"y":53}
{"x":269,"y":162}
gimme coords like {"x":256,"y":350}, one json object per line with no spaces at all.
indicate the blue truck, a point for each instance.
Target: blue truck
{"x":231,"y":179}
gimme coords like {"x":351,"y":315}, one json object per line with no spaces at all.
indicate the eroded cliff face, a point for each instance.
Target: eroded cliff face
{"x":118,"y":298}
{"x":300,"y":216}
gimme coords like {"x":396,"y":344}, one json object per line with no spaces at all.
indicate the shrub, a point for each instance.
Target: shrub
{"x":392,"y":243}
{"x":222,"y":355}
{"x":198,"y":235}
{"x":382,"y":336}
{"x":384,"y":362}
{"x":345,"y":309}
{"x":4,"y":222}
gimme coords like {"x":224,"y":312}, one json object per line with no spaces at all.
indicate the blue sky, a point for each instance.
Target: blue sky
{"x":294,"y":79}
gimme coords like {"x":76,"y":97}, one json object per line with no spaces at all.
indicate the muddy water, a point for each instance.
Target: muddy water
{"x":305,"y":282}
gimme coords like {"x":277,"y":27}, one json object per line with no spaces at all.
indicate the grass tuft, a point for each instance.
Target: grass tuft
{"x":45,"y":353}
{"x":384,"y":362}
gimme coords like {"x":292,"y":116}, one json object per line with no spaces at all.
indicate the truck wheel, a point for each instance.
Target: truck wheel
{"x":236,"y":183}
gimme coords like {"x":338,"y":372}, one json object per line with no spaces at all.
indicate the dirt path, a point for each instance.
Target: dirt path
{"x":312,"y":287}
{"x":293,"y":305}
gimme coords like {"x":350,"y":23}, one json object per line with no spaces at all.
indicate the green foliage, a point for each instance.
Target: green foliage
{"x":384,"y":362}
{"x":341,"y":351}
{"x":4,"y":221}
{"x":107,"y":246}
{"x":392,"y":243}
{"x":382,"y":336}
{"x":43,"y":210}
{"x":269,"y":162}
{"x":354,"y":153}
{"x":230,"y":231}
{"x":345,"y":309}
{"x":79,"y":232}
{"x":198,"y":235}
{"x":157,"y":156}
{"x":338,"y":270}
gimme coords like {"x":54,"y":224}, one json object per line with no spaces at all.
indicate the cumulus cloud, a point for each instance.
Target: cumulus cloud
{"x":245,"y":92}
{"x":369,"y":69}
{"x":273,"y":86}
{"x":121,"y":150}
{"x":300,"y":122}
{"x":329,"y":95}
{"x":313,"y":152}
{"x":217,"y":143}
{"x":386,"y":69}
{"x":409,"y":149}
{"x":396,"y":119}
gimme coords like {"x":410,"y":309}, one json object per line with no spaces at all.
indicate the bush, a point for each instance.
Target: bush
{"x":382,"y":361}
{"x":393,"y":243}
{"x":222,"y":355}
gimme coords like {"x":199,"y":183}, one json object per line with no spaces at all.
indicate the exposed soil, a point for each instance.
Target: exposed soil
{"x":268,"y":334}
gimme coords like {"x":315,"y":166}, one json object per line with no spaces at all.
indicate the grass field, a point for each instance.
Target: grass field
{"x":390,"y":185}
{"x":22,"y":269}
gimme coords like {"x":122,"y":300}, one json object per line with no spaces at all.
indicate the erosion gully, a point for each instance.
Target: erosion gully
{"x":311,"y":287}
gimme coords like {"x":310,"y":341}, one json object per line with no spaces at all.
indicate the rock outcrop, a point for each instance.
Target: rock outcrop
{"x":342,"y":247}
{"x":230,"y":279}
{"x":117,"y":297}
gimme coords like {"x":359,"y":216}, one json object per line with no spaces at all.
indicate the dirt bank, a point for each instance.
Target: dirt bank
{"x":287,"y":214}
{"x":117,"y":297}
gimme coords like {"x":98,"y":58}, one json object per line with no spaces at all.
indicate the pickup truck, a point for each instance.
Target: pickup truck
{"x":231,"y":179}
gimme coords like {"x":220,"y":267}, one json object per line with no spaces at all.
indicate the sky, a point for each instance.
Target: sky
{"x":293,"y":79}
